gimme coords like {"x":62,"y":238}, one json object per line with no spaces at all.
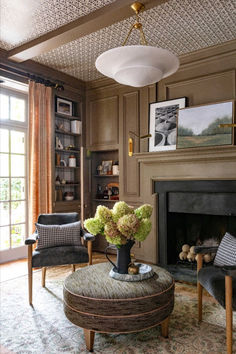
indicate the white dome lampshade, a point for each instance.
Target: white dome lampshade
{"x":137,"y":65}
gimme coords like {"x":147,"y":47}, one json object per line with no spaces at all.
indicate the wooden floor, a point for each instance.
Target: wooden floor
{"x":18,"y":268}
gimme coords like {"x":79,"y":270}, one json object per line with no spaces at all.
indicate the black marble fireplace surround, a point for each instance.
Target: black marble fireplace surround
{"x":189,"y":212}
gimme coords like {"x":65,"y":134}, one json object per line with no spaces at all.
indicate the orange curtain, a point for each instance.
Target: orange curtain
{"x":40,"y":152}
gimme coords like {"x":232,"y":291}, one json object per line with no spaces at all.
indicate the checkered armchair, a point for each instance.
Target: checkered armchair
{"x":59,"y":240}
{"x":219,"y":280}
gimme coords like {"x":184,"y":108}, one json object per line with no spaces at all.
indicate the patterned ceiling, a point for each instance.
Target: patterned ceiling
{"x":24,"y":20}
{"x":180,"y":26}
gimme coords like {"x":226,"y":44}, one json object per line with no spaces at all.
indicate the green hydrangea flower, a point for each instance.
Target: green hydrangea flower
{"x":111,"y":230}
{"x":94,"y":226}
{"x":120,"y":209}
{"x":128,"y":225}
{"x":144,"y":212}
{"x":143,"y":230}
{"x":104,"y":214}
{"x":118,"y":240}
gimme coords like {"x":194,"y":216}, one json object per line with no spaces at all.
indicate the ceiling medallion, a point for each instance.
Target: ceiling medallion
{"x":137,"y":65}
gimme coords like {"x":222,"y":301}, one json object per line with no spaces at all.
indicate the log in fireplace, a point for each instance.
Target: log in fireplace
{"x":192,"y":212}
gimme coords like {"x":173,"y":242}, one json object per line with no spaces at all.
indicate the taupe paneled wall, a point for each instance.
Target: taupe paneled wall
{"x":206,"y":76}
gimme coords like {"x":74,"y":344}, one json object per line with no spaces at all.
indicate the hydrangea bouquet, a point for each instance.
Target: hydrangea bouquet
{"x":121,"y":224}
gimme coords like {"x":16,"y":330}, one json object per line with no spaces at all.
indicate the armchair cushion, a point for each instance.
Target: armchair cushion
{"x":59,"y":256}
{"x":213,"y":280}
{"x":58,"y":235}
{"x":226,"y":253}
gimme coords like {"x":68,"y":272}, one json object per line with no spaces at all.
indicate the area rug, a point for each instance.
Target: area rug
{"x":44,"y":329}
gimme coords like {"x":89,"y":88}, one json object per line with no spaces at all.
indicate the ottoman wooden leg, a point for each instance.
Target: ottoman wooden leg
{"x":89,"y":339}
{"x":165,"y":327}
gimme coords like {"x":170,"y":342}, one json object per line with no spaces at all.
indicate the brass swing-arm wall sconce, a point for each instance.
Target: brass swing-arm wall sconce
{"x":131,"y":141}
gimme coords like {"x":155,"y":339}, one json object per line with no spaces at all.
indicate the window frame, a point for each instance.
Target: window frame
{"x":13,"y":125}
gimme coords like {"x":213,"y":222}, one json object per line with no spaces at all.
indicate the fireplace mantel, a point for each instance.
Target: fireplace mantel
{"x":180,"y":155}
{"x":212,"y":163}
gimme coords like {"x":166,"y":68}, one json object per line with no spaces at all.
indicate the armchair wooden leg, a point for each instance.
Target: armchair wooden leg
{"x":30,"y":273}
{"x":73,"y":267}
{"x":43,"y":276}
{"x":199,"y":288}
{"x":229,"y":314}
{"x":90,"y":252}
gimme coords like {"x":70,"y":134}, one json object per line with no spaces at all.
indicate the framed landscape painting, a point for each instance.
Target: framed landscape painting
{"x":163,"y":123}
{"x":201,"y":125}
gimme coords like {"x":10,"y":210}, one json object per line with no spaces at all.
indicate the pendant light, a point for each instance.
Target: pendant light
{"x":137,"y":65}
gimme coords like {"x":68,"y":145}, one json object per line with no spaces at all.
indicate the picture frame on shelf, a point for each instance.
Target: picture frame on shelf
{"x":163,"y":123}
{"x":64,"y":106}
{"x":200,"y":126}
{"x":106,"y":168}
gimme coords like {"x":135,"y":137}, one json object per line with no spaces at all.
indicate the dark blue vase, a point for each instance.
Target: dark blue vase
{"x":123,"y":257}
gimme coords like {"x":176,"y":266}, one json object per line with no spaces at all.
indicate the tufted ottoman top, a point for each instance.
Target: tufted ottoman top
{"x":94,"y":282}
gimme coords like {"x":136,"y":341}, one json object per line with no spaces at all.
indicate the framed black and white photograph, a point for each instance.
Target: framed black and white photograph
{"x":64,"y":106}
{"x":205,"y":125}
{"x":106,"y":167}
{"x":163,"y":123}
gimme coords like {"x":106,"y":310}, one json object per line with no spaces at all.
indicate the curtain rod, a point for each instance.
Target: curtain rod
{"x":57,"y":85}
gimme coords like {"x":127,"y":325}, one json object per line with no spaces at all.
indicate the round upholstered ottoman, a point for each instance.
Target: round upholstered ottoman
{"x":98,"y":303}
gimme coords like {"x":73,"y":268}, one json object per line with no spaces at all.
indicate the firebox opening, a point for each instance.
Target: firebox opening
{"x":195,"y":229}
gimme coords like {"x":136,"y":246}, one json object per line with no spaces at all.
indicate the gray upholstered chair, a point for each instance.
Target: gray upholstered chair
{"x":59,"y":255}
{"x":220,"y":282}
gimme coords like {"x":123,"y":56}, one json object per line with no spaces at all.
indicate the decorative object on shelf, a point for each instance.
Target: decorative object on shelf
{"x":58,"y":180}
{"x":99,"y":194}
{"x":63,"y":106}
{"x":71,"y":147}
{"x":76,"y":126}
{"x":106,"y":167}
{"x":163,"y":123}
{"x":63,"y":163}
{"x":131,"y":141}
{"x":115,"y":168}
{"x":59,"y":196}
{"x":114,"y":190}
{"x":99,"y":170}
{"x":59,"y":145}
{"x":58,"y":159}
{"x":69,"y":196}
{"x":199,"y":125}
{"x":72,"y":161}
{"x":63,"y":181}
{"x":137,"y":65}
{"x":105,"y":193}
{"x":121,"y":226}
{"x":62,"y":128}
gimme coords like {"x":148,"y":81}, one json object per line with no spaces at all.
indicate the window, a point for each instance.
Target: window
{"x":13,"y":172}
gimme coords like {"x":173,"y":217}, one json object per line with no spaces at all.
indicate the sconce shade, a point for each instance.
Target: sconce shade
{"x":137,"y":65}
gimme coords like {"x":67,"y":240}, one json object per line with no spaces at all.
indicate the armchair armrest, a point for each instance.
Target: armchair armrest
{"x":229,"y":270}
{"x":205,"y":249}
{"x":88,"y":237}
{"x":31,"y":239}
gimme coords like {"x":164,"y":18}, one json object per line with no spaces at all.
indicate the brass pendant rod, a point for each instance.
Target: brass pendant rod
{"x":127,"y":37}
{"x":137,"y":7}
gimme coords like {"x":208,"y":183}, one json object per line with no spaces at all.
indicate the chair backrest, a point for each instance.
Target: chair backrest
{"x":58,"y":218}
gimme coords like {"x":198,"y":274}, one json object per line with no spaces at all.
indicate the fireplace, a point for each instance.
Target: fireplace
{"x":192,"y":212}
